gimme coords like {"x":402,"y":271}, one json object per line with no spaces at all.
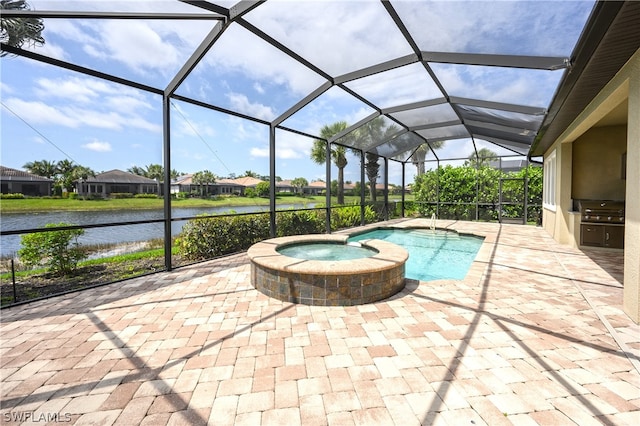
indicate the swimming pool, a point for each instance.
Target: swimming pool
{"x":433,"y":255}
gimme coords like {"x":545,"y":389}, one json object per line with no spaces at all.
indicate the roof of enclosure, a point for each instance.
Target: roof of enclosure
{"x":453,"y":77}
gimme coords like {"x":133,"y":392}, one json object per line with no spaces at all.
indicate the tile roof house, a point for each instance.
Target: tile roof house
{"x":248,"y":181}
{"x":223,"y":186}
{"x":117,"y":181}
{"x":20,"y":182}
{"x":316,"y":188}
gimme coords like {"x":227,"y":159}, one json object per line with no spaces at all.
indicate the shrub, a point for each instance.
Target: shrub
{"x":262,"y":189}
{"x":13,"y":196}
{"x":299,"y":222}
{"x":121,"y":195}
{"x":59,"y":251}
{"x":205,"y":238}
{"x":145,"y":196}
{"x":347,"y":217}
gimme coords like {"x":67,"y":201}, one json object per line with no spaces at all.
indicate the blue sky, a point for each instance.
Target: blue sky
{"x":54,"y":114}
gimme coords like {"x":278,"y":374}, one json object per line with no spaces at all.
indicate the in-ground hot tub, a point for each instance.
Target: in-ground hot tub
{"x":376,"y":272}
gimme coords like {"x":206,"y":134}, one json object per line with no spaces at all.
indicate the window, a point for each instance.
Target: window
{"x":549,"y":180}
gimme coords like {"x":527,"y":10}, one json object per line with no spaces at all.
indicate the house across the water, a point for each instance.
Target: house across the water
{"x":25,"y":183}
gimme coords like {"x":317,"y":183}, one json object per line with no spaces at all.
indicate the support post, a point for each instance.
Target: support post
{"x":272,"y":181}
{"x":438,"y":188}
{"x":386,"y":189}
{"x":402,"y":190}
{"x":362,"y":188}
{"x":166,"y":136}
{"x":328,"y":192}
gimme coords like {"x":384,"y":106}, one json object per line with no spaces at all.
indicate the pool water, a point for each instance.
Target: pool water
{"x":326,"y":251}
{"x":433,"y":255}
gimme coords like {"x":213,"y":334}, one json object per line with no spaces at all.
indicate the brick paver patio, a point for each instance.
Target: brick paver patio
{"x":534,"y":335}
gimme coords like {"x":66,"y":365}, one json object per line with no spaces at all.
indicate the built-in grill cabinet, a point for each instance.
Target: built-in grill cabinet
{"x":602,"y":223}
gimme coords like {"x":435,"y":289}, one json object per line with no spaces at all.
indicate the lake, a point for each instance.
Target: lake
{"x":10,"y":244}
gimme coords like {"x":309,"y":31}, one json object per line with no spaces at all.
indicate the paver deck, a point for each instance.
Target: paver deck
{"x":535,"y":334}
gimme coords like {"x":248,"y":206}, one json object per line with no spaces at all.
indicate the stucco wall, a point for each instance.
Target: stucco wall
{"x":604,"y":161}
{"x":558,"y":223}
{"x":597,"y":163}
{"x":632,"y":205}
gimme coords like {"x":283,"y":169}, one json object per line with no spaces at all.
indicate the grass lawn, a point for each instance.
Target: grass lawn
{"x":49,"y":204}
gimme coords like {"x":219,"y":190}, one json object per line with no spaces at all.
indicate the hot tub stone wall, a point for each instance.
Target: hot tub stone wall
{"x":357,"y":289}
{"x":327,"y":283}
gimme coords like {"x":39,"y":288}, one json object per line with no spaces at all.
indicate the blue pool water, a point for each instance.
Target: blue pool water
{"x":326,"y":251}
{"x":433,"y":255}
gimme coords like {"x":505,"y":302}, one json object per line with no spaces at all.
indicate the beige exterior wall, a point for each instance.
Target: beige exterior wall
{"x":583,"y":151}
{"x":560,"y":222}
{"x":632,"y":206}
{"x":597,"y":164}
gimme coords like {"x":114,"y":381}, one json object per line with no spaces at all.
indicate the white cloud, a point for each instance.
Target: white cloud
{"x":40,"y":113}
{"x":5,"y":88}
{"x":37,"y":112}
{"x":259,"y":152}
{"x":288,"y":146}
{"x":258,"y":88}
{"x":186,"y":124}
{"x":319,"y":30}
{"x":137,"y":45}
{"x":49,"y":49}
{"x":129,"y":104}
{"x":87,"y":89}
{"x":242,"y":104}
{"x":281,"y":152}
{"x":259,"y":62}
{"x":98,"y":146}
{"x":194,"y":128}
{"x":88,"y":102}
{"x":77,"y":89}
{"x":141,"y":46}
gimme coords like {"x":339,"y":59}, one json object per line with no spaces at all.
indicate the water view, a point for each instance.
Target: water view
{"x":10,"y":244}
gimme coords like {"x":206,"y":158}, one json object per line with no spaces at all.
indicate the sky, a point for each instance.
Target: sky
{"x":54,"y":114}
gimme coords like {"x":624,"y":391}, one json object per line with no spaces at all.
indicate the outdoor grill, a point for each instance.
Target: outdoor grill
{"x":602,"y":223}
{"x":602,"y":211}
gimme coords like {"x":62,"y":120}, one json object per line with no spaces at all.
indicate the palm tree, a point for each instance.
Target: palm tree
{"x":338,"y":153}
{"x":82,"y":173}
{"x":140,"y":171}
{"x":372,"y":168}
{"x":371,"y":134}
{"x":420,"y":154}
{"x":483,"y":159}
{"x":155,"y":172}
{"x":42,"y":168}
{"x":299,"y":183}
{"x":18,"y":31}
{"x":203,"y":179}
{"x":64,"y":170}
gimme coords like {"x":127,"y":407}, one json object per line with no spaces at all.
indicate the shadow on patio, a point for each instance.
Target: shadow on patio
{"x":529,"y":336}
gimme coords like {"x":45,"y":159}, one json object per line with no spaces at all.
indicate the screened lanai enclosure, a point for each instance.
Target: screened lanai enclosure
{"x":372,"y":109}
